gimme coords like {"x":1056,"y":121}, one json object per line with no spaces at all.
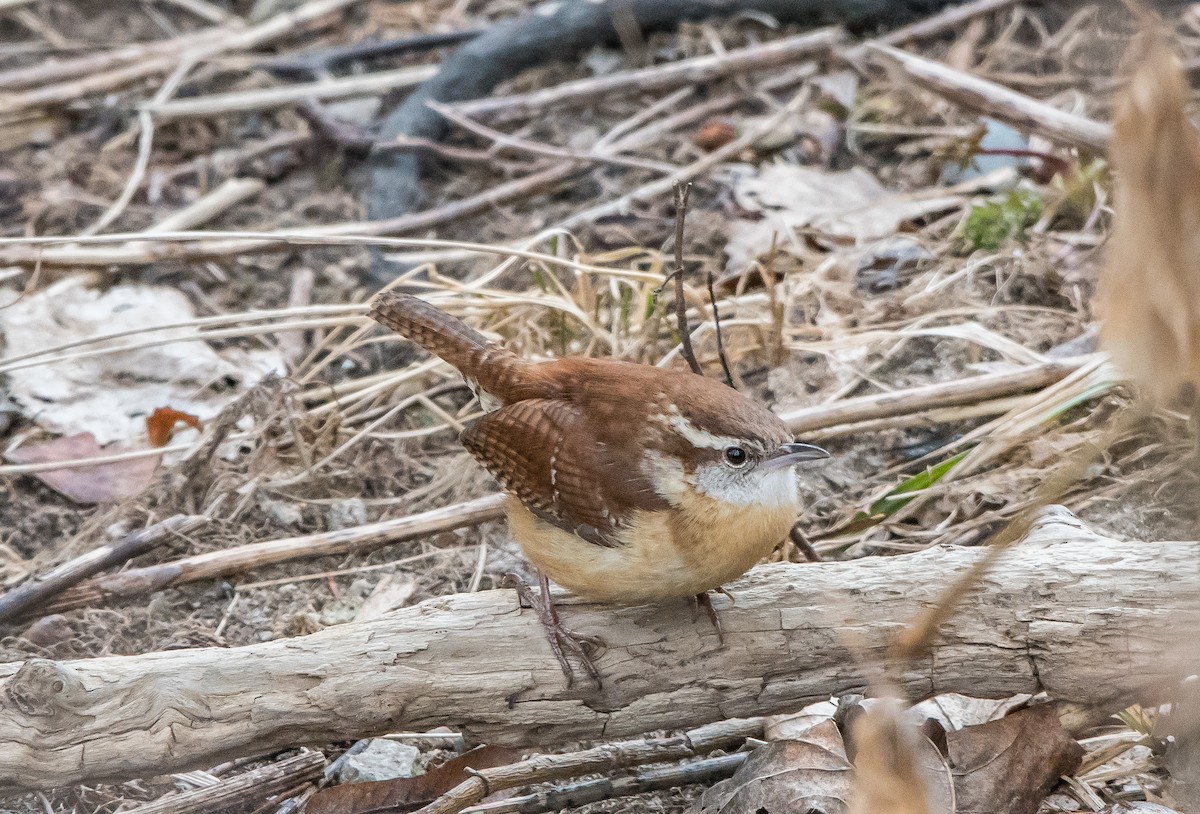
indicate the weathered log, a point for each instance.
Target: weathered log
{"x":1084,"y":618}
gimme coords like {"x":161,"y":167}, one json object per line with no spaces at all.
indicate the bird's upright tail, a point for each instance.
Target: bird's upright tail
{"x":487,"y":367}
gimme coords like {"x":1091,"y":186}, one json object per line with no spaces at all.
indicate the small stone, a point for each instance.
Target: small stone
{"x":381,"y":760}
{"x":884,"y":266}
{"x":356,"y":111}
{"x":346,"y":514}
{"x":286,"y":514}
{"x":49,"y":630}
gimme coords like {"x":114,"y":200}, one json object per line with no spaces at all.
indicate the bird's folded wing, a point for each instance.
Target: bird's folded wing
{"x":545,"y":453}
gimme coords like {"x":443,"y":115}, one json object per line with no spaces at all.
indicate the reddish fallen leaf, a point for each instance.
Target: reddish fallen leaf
{"x":408,"y":793}
{"x":86,"y":484}
{"x":160,"y":425}
{"x":714,"y":134}
{"x":1009,"y":766}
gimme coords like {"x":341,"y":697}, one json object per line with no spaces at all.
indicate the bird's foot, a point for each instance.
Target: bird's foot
{"x":703,"y":600}
{"x":563,"y":641}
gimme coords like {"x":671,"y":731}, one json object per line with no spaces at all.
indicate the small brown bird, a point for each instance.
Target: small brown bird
{"x":627,"y":483}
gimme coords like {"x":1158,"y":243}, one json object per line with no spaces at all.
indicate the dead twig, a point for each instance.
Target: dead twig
{"x":218,"y":104}
{"x":682,"y":191}
{"x":705,"y":772}
{"x":82,"y":78}
{"x":665,"y":77}
{"x":37,"y":591}
{"x":609,"y":756}
{"x":235,"y":793}
{"x":135,"y":582}
{"x":996,"y":100}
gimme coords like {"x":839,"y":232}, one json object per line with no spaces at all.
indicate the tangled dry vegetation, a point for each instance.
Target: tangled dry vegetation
{"x":904,"y":267}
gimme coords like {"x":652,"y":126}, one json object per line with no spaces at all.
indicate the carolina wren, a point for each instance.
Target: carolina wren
{"x":627,"y":483}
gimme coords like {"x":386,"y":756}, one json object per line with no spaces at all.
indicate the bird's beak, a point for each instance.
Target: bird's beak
{"x":792,"y":454}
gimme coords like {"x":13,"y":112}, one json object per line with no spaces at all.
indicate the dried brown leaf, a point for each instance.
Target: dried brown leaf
{"x":89,"y":484}
{"x":1149,"y":294}
{"x":1008,"y":766}
{"x":809,"y":774}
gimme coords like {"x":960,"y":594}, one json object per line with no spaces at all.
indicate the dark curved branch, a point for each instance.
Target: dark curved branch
{"x":394,"y":183}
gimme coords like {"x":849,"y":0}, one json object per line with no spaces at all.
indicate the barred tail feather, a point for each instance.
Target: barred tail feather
{"x":485,"y":366}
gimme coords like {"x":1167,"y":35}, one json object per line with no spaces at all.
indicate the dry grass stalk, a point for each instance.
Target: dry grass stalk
{"x":1149,"y":297}
{"x":888,"y":778}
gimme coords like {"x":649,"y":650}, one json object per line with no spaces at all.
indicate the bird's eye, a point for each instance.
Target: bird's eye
{"x":736,"y":456}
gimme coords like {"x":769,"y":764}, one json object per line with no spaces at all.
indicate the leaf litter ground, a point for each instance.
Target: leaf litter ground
{"x":915,"y":304}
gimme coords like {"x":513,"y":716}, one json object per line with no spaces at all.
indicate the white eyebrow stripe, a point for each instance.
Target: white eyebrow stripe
{"x":700,"y":437}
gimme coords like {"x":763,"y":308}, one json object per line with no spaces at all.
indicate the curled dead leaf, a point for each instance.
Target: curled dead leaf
{"x":1008,"y":766}
{"x":160,"y":425}
{"x":809,"y":773}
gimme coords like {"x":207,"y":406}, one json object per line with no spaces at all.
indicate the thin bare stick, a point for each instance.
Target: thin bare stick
{"x":665,"y":77}
{"x":239,"y":559}
{"x":224,"y":197}
{"x":804,"y":546}
{"x":971,"y":390}
{"x":39,"y":590}
{"x":682,"y":191}
{"x":944,"y":21}
{"x":600,"y":758}
{"x":163,"y":58}
{"x":368,"y":84}
{"x":53,"y":71}
{"x":501,"y":140}
{"x":712,"y":299}
{"x":145,"y":143}
{"x":996,"y":100}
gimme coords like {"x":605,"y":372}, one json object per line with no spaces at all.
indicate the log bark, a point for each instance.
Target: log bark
{"x":1084,"y":618}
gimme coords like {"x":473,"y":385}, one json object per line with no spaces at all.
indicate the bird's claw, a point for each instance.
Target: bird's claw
{"x":563,"y":641}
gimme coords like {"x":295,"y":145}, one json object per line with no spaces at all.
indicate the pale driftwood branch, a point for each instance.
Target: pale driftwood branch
{"x":1084,"y":618}
{"x":985,"y":96}
{"x":39,"y":590}
{"x":665,"y":77}
{"x":134,"y":582}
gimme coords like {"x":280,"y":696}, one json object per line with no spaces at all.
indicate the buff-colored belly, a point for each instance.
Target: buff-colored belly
{"x":658,"y":559}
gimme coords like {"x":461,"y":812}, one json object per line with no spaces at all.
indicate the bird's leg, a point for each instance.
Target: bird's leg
{"x":562,"y":640}
{"x":703,"y":600}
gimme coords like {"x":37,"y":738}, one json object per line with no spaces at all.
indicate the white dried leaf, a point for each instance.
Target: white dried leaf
{"x":110,"y":395}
